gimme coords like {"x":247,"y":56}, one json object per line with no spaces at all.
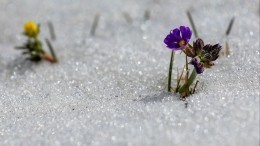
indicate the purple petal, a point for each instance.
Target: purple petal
{"x":197,"y":65}
{"x":173,"y":46}
{"x":176,"y":35}
{"x":173,"y":38}
{"x":185,"y":33}
{"x":168,"y":40}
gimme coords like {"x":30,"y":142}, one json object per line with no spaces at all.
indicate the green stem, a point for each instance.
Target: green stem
{"x":170,"y":72}
{"x":179,"y":80}
{"x":189,"y":82}
{"x":187,"y":77}
{"x":39,"y":45}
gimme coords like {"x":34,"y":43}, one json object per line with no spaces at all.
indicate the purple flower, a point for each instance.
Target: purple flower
{"x":178,"y":38}
{"x":197,"y":65}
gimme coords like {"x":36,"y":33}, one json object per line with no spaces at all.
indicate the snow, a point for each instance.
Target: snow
{"x":110,"y":89}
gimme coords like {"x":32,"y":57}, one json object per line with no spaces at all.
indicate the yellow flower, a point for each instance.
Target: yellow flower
{"x":31,"y":29}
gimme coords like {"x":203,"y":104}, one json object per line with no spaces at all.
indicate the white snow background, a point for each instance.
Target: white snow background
{"x":110,"y":89}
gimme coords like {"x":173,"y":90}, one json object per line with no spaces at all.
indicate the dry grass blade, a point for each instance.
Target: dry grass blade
{"x":194,"y":89}
{"x":192,"y":24}
{"x":128,"y":18}
{"x":230,"y":26}
{"x":94,"y":25}
{"x":147,"y":15}
{"x":51,"y":50}
{"x":179,"y":78}
{"x":51,"y":29}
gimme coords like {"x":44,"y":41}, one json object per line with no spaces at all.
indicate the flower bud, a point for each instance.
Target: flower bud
{"x":198,"y":45}
{"x":210,"y":53}
{"x":197,"y":65}
{"x":31,"y":29}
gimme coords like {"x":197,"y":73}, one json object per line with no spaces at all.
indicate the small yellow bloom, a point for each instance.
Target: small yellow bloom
{"x":31,"y":29}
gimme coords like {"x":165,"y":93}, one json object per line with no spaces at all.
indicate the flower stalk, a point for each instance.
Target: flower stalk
{"x":170,"y":71}
{"x":187,"y":77}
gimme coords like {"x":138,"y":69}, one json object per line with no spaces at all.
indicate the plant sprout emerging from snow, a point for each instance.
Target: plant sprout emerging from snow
{"x":33,"y":46}
{"x":176,"y":40}
{"x":202,"y":56}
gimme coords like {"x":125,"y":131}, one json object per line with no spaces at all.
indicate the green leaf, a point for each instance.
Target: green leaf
{"x":190,"y":81}
{"x":20,"y":47}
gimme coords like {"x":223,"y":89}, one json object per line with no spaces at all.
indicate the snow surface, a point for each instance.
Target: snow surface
{"x":110,"y":89}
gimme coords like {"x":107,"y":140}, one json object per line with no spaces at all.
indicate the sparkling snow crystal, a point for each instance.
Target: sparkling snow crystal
{"x":111,"y":88}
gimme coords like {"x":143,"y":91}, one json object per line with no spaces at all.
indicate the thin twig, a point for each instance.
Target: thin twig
{"x":51,"y":29}
{"x":192,"y":24}
{"x":94,"y":25}
{"x":195,"y":87}
{"x":178,"y":74}
{"x":230,"y":26}
{"x":179,"y":80}
{"x":128,"y":18}
{"x":227,"y":50}
{"x":147,"y":15}
{"x":172,"y":89}
{"x":187,"y":76}
{"x":175,"y":90}
{"x":51,"y":49}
